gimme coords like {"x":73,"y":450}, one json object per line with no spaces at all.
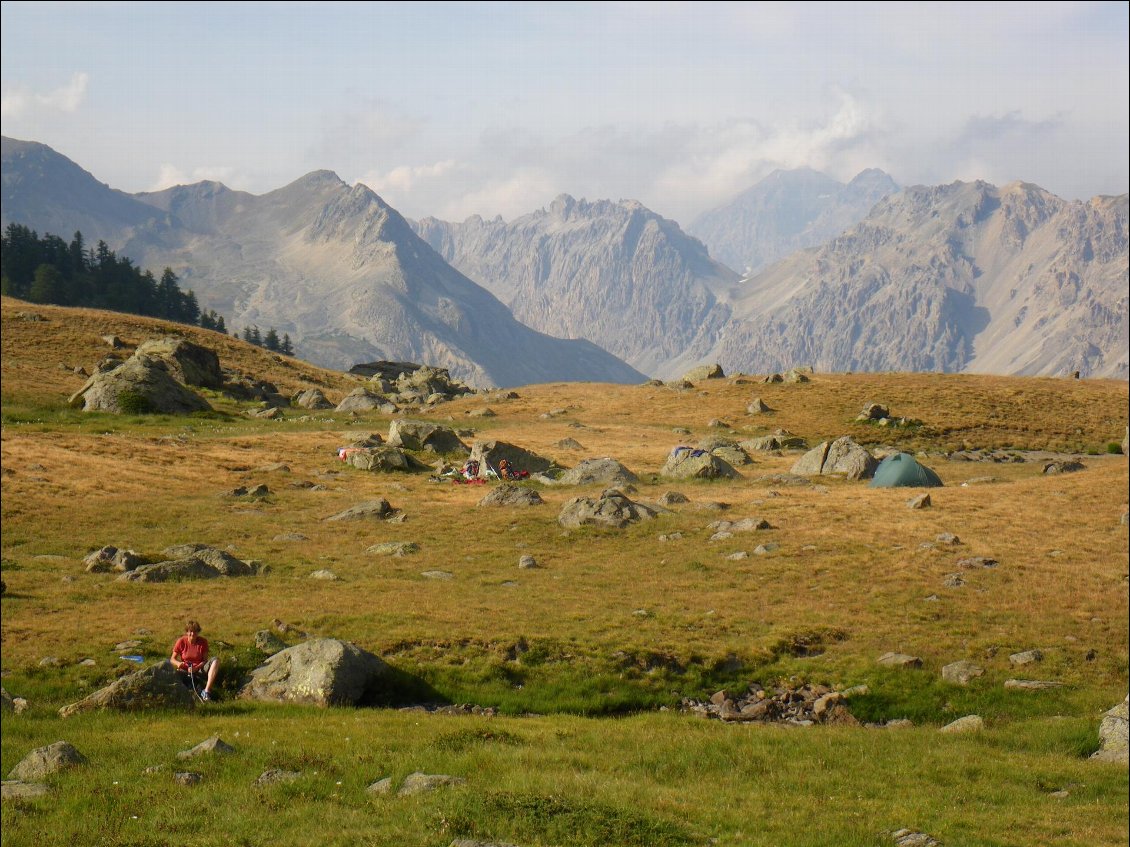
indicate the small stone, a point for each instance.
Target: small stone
{"x":1025,"y":658}
{"x":276,"y":775}
{"x":762,"y":549}
{"x":325,"y":574}
{"x":900,"y":660}
{"x":527,"y":562}
{"x":187,"y":778}
{"x":947,"y":538}
{"x":1031,"y":684}
{"x":437,"y":575}
{"x":738,"y":556}
{"x":969,"y":723}
{"x":381,"y":786}
{"x":921,"y":501}
{"x":417,"y":783}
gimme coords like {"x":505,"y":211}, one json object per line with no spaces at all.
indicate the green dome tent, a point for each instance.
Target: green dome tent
{"x":903,"y":470}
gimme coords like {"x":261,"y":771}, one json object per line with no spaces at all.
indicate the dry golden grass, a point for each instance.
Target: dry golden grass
{"x":850,"y":562}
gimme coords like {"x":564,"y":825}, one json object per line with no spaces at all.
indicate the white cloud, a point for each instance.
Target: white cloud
{"x":18,"y":102}
{"x":169,"y":175}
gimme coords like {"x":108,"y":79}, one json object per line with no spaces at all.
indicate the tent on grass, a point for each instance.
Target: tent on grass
{"x":902,"y":470}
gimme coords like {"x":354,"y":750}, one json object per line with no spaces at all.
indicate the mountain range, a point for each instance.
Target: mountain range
{"x":862,"y":276}
{"x":333,"y":266}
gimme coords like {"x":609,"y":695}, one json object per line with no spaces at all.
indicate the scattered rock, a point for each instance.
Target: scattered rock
{"x":710,"y":371}
{"x":418,"y":783}
{"x":209,"y":745}
{"x":1113,"y":735}
{"x":611,"y":509}
{"x":321,"y":672}
{"x":910,"y":838}
{"x":110,"y":559}
{"x":325,"y":574}
{"x":757,"y":407}
{"x":672,"y":498}
{"x":277,"y":775}
{"x":969,"y":723}
{"x":140,"y":385}
{"x":1031,"y":684}
{"x":842,"y":456}
{"x":1027,"y":657}
{"x":269,"y":643}
{"x":688,"y":463}
{"x":802,"y":706}
{"x":1064,"y":467}
{"x":18,"y":790}
{"x":311,"y":398}
{"x":45,"y":761}
{"x":962,"y":672}
{"x":187,"y":778}
{"x":381,"y":786}
{"x":527,"y":562}
{"x":921,"y":501}
{"x":394,"y":548}
{"x":422,"y":435}
{"x":603,"y":471}
{"x":437,"y":575}
{"x":977,"y":562}
{"x":900,"y":660}
{"x":369,"y":509}
{"x":158,"y":686}
{"x":509,"y":494}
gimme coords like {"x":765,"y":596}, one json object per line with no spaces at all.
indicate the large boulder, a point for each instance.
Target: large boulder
{"x":508,"y":494}
{"x":611,"y":509}
{"x":421,"y":435}
{"x":44,"y":761}
{"x":379,"y":509}
{"x":1113,"y":734}
{"x":603,"y":471}
{"x":322,"y":672}
{"x":712,"y":371}
{"x":489,"y":453}
{"x":842,"y":456}
{"x":381,"y":459}
{"x":140,"y":385}
{"x":190,"y":561}
{"x":311,"y":398}
{"x":688,"y":463}
{"x":361,"y":400}
{"x":158,"y":686}
{"x":186,"y":362}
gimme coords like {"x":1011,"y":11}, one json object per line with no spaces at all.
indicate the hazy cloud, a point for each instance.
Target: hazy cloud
{"x":18,"y":101}
{"x":170,"y":175}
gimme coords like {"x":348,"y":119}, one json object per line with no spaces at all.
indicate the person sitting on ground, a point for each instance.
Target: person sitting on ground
{"x":504,"y":469}
{"x":190,"y":656}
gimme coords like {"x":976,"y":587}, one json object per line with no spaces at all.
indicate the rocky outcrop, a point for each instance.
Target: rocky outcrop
{"x":489,"y":453}
{"x":158,"y":686}
{"x":321,"y":672}
{"x":139,"y":385}
{"x":842,"y":456}
{"x":611,"y":509}
{"x":422,"y":435}
{"x":688,"y":463}
{"x":186,"y":362}
{"x":45,"y":761}
{"x":508,"y":494}
{"x":603,"y":471}
{"x":1113,"y":734}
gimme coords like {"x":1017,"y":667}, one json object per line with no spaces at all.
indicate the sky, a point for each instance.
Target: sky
{"x":493,"y":109}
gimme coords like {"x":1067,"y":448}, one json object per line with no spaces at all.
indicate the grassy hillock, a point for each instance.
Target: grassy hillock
{"x":587,"y":657}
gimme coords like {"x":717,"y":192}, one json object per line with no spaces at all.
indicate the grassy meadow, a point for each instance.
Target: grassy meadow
{"x":586,"y":657}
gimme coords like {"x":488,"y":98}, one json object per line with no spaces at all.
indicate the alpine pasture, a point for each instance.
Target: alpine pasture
{"x":584,"y":669}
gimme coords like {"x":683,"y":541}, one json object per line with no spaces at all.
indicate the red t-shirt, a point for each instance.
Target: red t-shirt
{"x":193,"y":652}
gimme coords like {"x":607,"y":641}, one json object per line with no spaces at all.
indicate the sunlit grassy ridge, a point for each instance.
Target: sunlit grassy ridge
{"x":611,"y":621}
